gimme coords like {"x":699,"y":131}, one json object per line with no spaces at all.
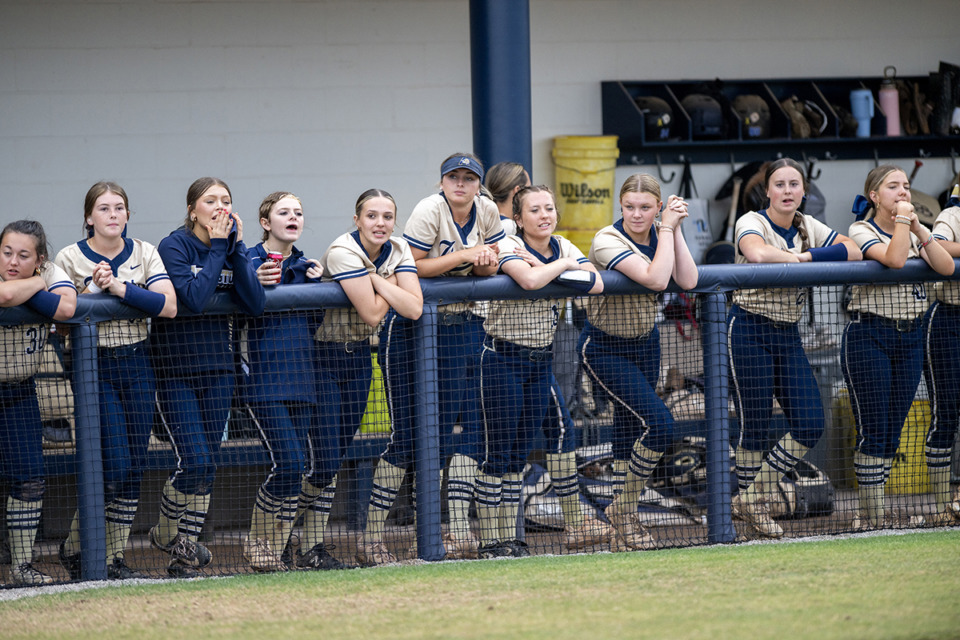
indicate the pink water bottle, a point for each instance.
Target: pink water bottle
{"x":890,"y":100}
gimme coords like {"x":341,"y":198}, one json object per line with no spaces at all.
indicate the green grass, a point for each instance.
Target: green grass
{"x":899,"y":586}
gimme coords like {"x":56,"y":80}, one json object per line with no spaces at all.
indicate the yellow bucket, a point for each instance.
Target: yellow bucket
{"x":585,"y":178}
{"x":909,"y":473}
{"x":376,"y":416}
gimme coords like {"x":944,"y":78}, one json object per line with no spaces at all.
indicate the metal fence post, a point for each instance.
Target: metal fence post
{"x":713,"y":326}
{"x":429,"y":541}
{"x":93,"y":535}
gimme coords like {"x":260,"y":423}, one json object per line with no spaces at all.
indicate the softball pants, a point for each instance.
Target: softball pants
{"x":627,"y":370}
{"x":127,"y":394}
{"x":196,"y":411}
{"x":515,"y":393}
{"x":767,"y":360}
{"x":21,"y":439}
{"x":882,"y":362}
{"x":942,"y":371}
{"x":344,"y":377}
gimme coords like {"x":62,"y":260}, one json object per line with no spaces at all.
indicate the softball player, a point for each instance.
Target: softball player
{"x":942,"y":370}
{"x":767,"y":359}
{"x":107,"y":261}
{"x":516,"y":364}
{"x":281,"y":390}
{"x":620,"y":345}
{"x":882,"y":350}
{"x":454,"y":233}
{"x":194,"y":363}
{"x":26,"y":277}
{"x":503,"y":181}
{"x":377,"y":272}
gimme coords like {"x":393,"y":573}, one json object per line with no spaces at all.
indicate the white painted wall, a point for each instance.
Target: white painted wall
{"x":328,"y":98}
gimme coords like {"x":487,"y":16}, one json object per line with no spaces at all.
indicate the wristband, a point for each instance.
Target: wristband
{"x":904,"y":220}
{"x":833,"y":253}
{"x":149,"y":301}
{"x":44,"y":303}
{"x":92,"y":288}
{"x":581,"y":280}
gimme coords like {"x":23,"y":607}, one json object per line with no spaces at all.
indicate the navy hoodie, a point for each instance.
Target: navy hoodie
{"x":203,"y":343}
{"x":282,"y":352}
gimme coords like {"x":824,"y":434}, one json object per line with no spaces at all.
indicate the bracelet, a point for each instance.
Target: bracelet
{"x":925,"y":242}
{"x":662,"y":229}
{"x":904,"y":220}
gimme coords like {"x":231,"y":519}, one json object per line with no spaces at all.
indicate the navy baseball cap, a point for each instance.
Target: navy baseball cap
{"x":462,"y":162}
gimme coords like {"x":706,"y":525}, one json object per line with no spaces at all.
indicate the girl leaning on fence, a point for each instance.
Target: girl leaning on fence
{"x":516,"y":363}
{"x":620,"y":345}
{"x":108,"y":261}
{"x":453,"y":233}
{"x":882,"y":351}
{"x":503,"y":181}
{"x":281,"y":390}
{"x":942,"y":371}
{"x":194,"y":363}
{"x":766,"y":354}
{"x":26,"y":277}
{"x":377,"y":273}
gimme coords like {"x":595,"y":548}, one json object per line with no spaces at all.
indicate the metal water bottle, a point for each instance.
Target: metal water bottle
{"x":890,"y":100}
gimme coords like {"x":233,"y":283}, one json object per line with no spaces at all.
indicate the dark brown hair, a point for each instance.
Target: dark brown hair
{"x":33,"y":229}
{"x":369,"y":194}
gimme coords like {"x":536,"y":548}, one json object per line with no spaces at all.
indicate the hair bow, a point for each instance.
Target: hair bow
{"x":861,"y":206}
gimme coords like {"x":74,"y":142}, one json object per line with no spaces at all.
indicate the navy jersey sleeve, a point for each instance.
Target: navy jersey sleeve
{"x":247,"y":292}
{"x":194,"y":289}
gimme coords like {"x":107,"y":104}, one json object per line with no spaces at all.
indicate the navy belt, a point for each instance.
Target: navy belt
{"x":776,"y":324}
{"x":518,"y":351}
{"x":124,"y":351}
{"x":348,"y":347}
{"x":903,"y":326}
{"x":601,"y":336}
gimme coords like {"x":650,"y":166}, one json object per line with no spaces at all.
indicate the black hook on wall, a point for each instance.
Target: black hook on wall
{"x":664,"y":180}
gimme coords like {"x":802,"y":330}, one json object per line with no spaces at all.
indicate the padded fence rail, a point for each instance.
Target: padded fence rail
{"x":483,"y":430}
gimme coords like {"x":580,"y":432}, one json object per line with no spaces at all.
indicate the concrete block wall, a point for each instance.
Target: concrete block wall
{"x":329,"y":98}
